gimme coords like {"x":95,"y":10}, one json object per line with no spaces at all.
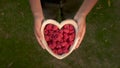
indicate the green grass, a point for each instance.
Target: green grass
{"x":19,"y":48}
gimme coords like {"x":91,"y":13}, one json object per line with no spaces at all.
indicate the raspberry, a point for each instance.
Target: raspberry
{"x":65,"y":36}
{"x":55,"y":51}
{"x":55,"y":27}
{"x":46,"y":32}
{"x":64,"y":44}
{"x":66,"y":51}
{"x":60,"y":35}
{"x":71,"y":31}
{"x":49,"y":26}
{"x":52,"y":46}
{"x":71,"y":27}
{"x":66,"y":30}
{"x":47,"y":38}
{"x":66,"y":26}
{"x":67,"y":46}
{"x":71,"y":42}
{"x":58,"y":46}
{"x":61,"y":31}
{"x":49,"y":42}
{"x":59,"y":38}
{"x":71,"y":37}
{"x":58,"y":43}
{"x":59,"y":51}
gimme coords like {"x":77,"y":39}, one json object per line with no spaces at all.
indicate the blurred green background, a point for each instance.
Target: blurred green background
{"x":19,"y":48}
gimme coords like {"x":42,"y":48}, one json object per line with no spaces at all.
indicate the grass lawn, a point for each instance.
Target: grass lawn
{"x":19,"y":48}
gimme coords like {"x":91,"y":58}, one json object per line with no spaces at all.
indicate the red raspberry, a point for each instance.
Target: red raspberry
{"x":67,"y":46}
{"x":55,"y":51}
{"x":66,"y":51}
{"x":61,"y":35}
{"x":59,"y":51}
{"x":71,"y":27}
{"x":65,"y":36}
{"x":58,"y":46}
{"x":58,"y":43}
{"x":66,"y":30}
{"x":46,"y":32}
{"x":54,"y":36}
{"x":49,"y":26}
{"x":47,"y":38}
{"x":52,"y":46}
{"x":71,"y":43}
{"x":58,"y":39}
{"x":51,"y":32}
{"x":71,"y":37}
{"x":66,"y":26}
{"x":49,"y":42}
{"x":71,"y":31}
{"x":64,"y":44}
{"x":61,"y":31}
{"x":55,"y":28}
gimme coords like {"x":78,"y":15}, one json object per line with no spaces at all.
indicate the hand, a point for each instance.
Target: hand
{"x":37,"y":27}
{"x":81,"y":29}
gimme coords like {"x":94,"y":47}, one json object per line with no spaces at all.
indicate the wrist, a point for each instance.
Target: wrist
{"x":79,"y":16}
{"x":38,"y":19}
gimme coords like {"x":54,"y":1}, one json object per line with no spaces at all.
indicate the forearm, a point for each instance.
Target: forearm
{"x":85,"y":8}
{"x":36,"y":9}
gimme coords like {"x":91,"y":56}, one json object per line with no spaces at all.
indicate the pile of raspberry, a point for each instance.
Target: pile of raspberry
{"x":59,"y":40}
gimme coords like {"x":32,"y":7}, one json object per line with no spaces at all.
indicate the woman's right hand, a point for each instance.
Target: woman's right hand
{"x":38,"y":18}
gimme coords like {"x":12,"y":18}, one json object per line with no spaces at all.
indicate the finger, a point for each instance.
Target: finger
{"x":78,"y":44}
{"x":37,"y":30}
{"x":39,"y":41}
{"x":80,"y":40}
{"x":81,"y":37}
{"x":80,"y":29}
{"x":37,"y":27}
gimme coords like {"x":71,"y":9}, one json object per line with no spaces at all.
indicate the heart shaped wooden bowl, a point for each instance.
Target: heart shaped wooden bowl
{"x":59,"y":25}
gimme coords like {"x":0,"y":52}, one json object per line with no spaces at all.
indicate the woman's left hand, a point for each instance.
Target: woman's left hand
{"x":81,"y":29}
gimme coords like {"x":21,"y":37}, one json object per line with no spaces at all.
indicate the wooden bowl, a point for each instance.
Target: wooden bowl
{"x":59,"y":25}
